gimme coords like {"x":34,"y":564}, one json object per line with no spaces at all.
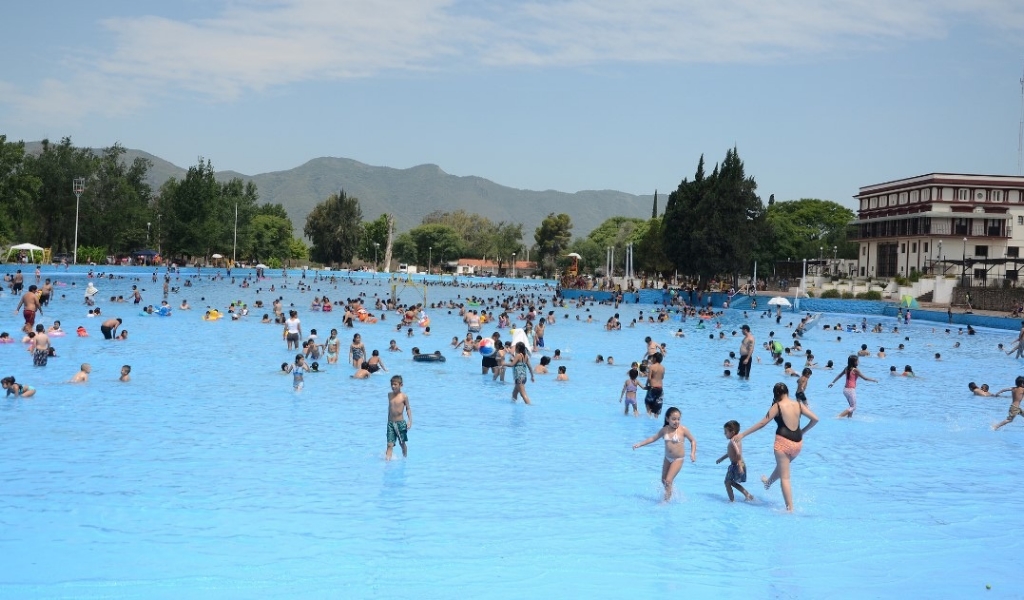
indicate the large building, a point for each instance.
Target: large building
{"x":958,"y":225}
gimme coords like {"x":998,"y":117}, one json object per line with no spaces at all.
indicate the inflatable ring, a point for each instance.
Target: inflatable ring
{"x":424,"y":322}
{"x":428,"y":358}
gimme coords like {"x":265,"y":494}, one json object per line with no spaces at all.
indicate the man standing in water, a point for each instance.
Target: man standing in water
{"x":30,"y":306}
{"x":746,"y":353}
{"x":655,"y":385}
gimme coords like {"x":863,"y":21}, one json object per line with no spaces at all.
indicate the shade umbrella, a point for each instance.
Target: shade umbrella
{"x":779,"y":301}
{"x":262,"y":266}
{"x":217,"y":256}
{"x":908,"y":301}
{"x":573,"y":255}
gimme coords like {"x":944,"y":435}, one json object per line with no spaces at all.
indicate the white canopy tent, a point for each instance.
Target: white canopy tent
{"x":30,"y":248}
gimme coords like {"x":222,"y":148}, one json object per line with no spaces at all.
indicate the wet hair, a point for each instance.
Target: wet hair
{"x":545,"y":360}
{"x":671,"y":411}
{"x":908,"y":369}
{"x":806,"y":371}
{"x":561,"y":369}
{"x":397,"y":378}
{"x":633,"y":373}
{"x":851,"y":361}
{"x":732,"y":426}
{"x":1019,"y":382}
{"x":972,"y":386}
{"x":780,"y":390}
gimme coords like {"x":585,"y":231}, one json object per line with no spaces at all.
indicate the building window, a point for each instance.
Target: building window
{"x":925,"y":247}
{"x":1012,"y":251}
{"x":1012,"y":274}
{"x":963,"y":195}
{"x":874,"y":203}
{"x":980,"y":251}
{"x":915,"y":195}
{"x":913,"y":247}
{"x":997,"y":195}
{"x":864,"y":251}
{"x":903,"y":248}
{"x":1020,"y":220}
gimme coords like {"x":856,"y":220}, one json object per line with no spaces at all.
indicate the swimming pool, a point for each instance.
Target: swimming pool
{"x":208,"y":476}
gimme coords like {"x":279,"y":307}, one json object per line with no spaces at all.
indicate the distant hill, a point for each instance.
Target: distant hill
{"x":410,"y":194}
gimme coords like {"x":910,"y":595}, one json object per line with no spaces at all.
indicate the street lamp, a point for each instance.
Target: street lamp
{"x":430,"y":258}
{"x":941,"y":258}
{"x":148,"y":226}
{"x":513,"y":265}
{"x":376,"y":245}
{"x":821,"y":257}
{"x":158,"y":233}
{"x":77,"y":186}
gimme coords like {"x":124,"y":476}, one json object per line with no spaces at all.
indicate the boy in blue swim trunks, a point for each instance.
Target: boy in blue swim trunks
{"x":737,"y":472}
{"x":398,"y":405}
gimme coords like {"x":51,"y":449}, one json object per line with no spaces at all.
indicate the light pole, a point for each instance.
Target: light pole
{"x":77,"y":186}
{"x":148,"y":227}
{"x":430,"y":258}
{"x":821,"y":257}
{"x":513,"y":265}
{"x":158,"y":233}
{"x":376,"y":245}
{"x":941,"y":258}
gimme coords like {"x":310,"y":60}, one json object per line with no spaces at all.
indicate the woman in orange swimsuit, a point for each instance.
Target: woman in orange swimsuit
{"x":786,"y":413}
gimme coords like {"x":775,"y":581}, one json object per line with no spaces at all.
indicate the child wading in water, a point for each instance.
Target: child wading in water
{"x":398,"y":405}
{"x":737,"y":472}
{"x":674,"y":433}
{"x":1016,"y":395}
{"x":629,"y":392}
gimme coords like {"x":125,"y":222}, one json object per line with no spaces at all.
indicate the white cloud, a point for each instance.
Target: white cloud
{"x":254,"y":45}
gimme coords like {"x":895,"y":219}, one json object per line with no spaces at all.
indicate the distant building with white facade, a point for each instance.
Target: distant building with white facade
{"x":948,"y":223}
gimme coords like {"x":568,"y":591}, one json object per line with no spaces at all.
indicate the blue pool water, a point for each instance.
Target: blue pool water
{"x":208,"y":476}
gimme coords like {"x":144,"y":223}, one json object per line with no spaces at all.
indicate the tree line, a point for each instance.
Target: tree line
{"x":713,"y":224}
{"x":118,"y":213}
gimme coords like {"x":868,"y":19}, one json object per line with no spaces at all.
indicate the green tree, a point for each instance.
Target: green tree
{"x":713,"y":224}
{"x":187,"y":207}
{"x":116,"y":211}
{"x":404,"y":249}
{"x":800,"y":228}
{"x":552,"y":237}
{"x":298,"y":250}
{"x":374,"y":239}
{"x":436,"y":243}
{"x":270,"y":237}
{"x":335,"y":227}
{"x":475,"y":231}
{"x":650,"y":251}
{"x":54,"y":220}
{"x":18,"y":189}
{"x":504,"y":240}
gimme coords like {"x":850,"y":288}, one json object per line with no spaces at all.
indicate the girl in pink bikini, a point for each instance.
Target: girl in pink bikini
{"x":789,"y":436}
{"x":851,"y":372}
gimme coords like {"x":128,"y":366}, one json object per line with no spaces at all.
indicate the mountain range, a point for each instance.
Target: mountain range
{"x":411,"y":194}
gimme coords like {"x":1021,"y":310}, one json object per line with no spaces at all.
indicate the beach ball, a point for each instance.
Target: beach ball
{"x":486,"y":347}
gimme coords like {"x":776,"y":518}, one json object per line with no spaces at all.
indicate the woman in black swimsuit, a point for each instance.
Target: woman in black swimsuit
{"x":786,"y":413}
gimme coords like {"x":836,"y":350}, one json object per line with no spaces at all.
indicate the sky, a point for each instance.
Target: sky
{"x":818,"y":97}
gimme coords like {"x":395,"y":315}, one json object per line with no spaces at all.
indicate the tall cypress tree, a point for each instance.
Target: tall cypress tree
{"x":654,"y":213}
{"x":712,"y":224}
